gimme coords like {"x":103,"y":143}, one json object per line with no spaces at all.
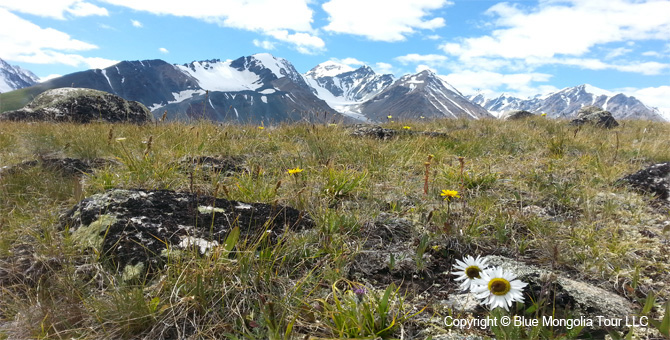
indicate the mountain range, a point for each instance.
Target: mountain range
{"x":566,"y":102}
{"x":13,"y":77}
{"x":264,"y":89}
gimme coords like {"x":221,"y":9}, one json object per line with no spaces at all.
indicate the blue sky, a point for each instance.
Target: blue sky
{"x":519,"y":48}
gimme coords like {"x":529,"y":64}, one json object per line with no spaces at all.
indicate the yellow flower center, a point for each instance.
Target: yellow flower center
{"x":472,"y":272}
{"x":499,"y":286}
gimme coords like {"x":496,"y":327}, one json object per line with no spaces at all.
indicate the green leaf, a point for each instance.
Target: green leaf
{"x":232,"y":239}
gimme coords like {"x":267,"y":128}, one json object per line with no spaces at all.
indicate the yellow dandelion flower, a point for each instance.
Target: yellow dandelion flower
{"x":543,"y":115}
{"x":406,"y":127}
{"x":261,"y":128}
{"x":449,"y":194}
{"x":294,"y":171}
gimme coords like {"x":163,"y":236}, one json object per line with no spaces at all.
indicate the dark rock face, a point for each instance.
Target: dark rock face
{"x":137,"y":229}
{"x":596,"y":116}
{"x":80,"y":106}
{"x":654,"y":180}
{"x":518,"y":114}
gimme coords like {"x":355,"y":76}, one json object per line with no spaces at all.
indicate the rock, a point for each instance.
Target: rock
{"x":66,"y":166}
{"x":137,"y":229}
{"x":366,"y":130}
{"x":596,"y":116}
{"x":652,"y":180}
{"x":570,"y":298}
{"x":517,"y":114}
{"x":80,"y":105}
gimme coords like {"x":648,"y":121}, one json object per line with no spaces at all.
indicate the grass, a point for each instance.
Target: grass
{"x":537,"y":189}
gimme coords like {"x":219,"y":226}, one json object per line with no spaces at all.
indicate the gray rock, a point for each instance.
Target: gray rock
{"x":137,"y":229}
{"x":517,"y":114}
{"x":80,"y":106}
{"x":653,"y":180}
{"x":225,"y":165}
{"x":596,"y":116}
{"x":567,"y":295}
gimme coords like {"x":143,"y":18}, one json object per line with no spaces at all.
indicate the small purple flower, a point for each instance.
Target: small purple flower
{"x":360,"y":291}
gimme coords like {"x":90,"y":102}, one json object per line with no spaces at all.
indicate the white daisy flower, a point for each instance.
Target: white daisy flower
{"x":468,"y":270}
{"x":497,"y":288}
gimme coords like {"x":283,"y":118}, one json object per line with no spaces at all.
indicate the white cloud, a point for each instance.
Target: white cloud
{"x":43,"y":45}
{"x":253,"y":15}
{"x":163,"y":50}
{"x":617,"y":52}
{"x":492,"y":83}
{"x":381,"y":20}
{"x":288,"y":21}
{"x":353,"y":62}
{"x":569,"y":28}
{"x":422,"y":67}
{"x":267,"y":45}
{"x":383,"y":68}
{"x":54,"y":8}
{"x":430,"y":59}
{"x":305,"y":43}
{"x":136,"y":23}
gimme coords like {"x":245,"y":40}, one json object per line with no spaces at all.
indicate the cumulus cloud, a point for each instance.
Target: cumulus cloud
{"x":493,"y":83}
{"x":136,"y":23}
{"x":430,"y":59}
{"x":163,"y":50}
{"x":569,"y":28}
{"x":254,"y":15}
{"x":304,"y":42}
{"x":383,"y":68}
{"x":288,"y":21}
{"x":353,"y":62}
{"x":44,"y":45}
{"x":380,"y":20}
{"x":56,"y":9}
{"x":267,"y":45}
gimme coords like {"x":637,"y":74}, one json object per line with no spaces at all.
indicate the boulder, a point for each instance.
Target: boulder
{"x":225,"y":165}
{"x":595,"y":115}
{"x":137,"y":229}
{"x":80,"y":105}
{"x":652,"y":180}
{"x":517,"y":114}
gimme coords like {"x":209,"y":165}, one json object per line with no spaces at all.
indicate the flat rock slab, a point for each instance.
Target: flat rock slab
{"x":80,"y":105}
{"x":138,"y":228}
{"x":652,"y":180}
{"x":376,"y":131}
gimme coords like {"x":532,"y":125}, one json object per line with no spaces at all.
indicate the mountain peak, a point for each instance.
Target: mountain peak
{"x":14,"y":77}
{"x":329,"y":68}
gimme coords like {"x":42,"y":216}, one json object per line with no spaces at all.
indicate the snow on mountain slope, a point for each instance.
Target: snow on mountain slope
{"x":344,"y":88}
{"x":14,"y":77}
{"x":328,"y":69}
{"x":215,"y":75}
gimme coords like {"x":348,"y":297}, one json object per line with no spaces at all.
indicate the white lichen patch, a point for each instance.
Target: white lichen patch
{"x":203,"y":209}
{"x":92,"y":235}
{"x":131,"y":272}
{"x":202,"y":244}
{"x":241,"y":205}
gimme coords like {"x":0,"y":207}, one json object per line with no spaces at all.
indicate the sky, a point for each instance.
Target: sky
{"x":519,"y":48}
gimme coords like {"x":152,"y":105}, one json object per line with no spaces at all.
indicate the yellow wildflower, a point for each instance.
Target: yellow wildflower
{"x":406,"y":127}
{"x":261,"y":128}
{"x":449,"y":194}
{"x":294,"y":171}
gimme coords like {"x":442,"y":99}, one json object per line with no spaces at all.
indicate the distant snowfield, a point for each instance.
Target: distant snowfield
{"x":221,"y":77}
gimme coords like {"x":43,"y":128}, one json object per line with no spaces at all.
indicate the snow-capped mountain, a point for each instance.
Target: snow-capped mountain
{"x":424,"y":94}
{"x":567,"y":102}
{"x":253,"y":89}
{"x":14,"y":77}
{"x":345,"y":88}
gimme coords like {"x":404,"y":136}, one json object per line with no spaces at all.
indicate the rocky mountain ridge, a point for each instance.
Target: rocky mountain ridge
{"x":567,"y":102}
